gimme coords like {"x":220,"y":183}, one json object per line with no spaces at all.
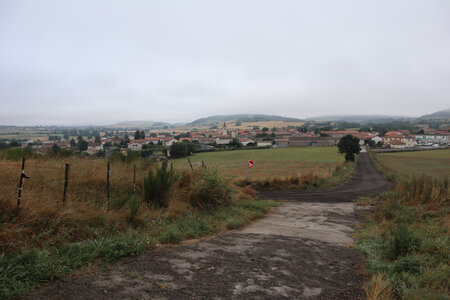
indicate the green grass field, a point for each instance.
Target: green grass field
{"x":268,"y":162}
{"x":433,"y":162}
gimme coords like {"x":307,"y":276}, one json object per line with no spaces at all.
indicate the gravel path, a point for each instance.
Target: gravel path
{"x":300,"y":251}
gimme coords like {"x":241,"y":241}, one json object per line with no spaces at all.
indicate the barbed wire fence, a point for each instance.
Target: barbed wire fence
{"x":51,"y":185}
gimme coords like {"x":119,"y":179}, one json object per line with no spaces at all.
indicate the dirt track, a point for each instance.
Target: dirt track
{"x":298,"y":252}
{"x":367,"y":181}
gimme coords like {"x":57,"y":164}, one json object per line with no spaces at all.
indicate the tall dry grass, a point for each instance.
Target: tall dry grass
{"x":42,"y":219}
{"x":378,"y":288}
{"x":315,"y":177}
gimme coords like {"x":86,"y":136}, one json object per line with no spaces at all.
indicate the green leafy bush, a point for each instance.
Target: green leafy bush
{"x":210,"y":190}
{"x":157,"y":185}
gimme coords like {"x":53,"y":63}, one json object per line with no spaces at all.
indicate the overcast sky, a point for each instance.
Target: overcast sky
{"x":99,"y":62}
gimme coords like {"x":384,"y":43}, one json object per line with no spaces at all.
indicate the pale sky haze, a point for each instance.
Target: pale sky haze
{"x":102,"y":61}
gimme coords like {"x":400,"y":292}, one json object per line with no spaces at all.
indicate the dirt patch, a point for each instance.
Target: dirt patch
{"x":299,"y":251}
{"x":233,"y":265}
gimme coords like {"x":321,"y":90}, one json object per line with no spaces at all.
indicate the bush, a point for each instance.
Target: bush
{"x":402,"y":242}
{"x":210,"y":190}
{"x":19,"y":153}
{"x":157,"y":185}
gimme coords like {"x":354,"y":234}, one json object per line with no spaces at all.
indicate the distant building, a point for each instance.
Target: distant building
{"x":395,"y":144}
{"x":305,"y":141}
{"x":135,"y":146}
{"x":95,"y":146}
{"x":282,"y":143}
{"x":205,"y":140}
{"x":168,"y":141}
{"x":340,"y":133}
{"x":377,"y":139}
{"x":400,"y":135}
{"x":438,"y":137}
{"x":246,"y":141}
{"x":223,"y":140}
{"x":263,"y":143}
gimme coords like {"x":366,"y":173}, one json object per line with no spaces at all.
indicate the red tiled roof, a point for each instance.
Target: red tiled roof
{"x":393,"y":134}
{"x":363,"y":136}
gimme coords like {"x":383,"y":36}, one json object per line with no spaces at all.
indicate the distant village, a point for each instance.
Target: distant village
{"x":223,"y":138}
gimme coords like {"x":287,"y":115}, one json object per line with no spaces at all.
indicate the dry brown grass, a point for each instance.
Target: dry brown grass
{"x":313,"y":178}
{"x":42,"y":216}
{"x":378,"y":288}
{"x":42,"y":219}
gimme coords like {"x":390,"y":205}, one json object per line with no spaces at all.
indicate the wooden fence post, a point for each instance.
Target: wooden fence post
{"x":66,"y":183}
{"x":134,"y":179}
{"x":22,"y":176}
{"x":192,"y":169}
{"x":108,"y":186}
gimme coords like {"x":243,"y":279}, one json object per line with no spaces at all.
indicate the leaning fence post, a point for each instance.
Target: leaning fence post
{"x":192,"y":169}
{"x":108,"y":191}
{"x":66,"y":183}
{"x":22,"y":176}
{"x":134,"y":179}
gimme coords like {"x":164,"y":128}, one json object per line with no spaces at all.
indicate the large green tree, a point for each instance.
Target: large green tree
{"x":350,"y":146}
{"x":179,"y":149}
{"x":82,"y":145}
{"x":137,"y":135}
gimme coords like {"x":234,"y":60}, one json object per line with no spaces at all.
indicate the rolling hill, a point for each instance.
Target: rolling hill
{"x":213,"y":120}
{"x":439,"y":114}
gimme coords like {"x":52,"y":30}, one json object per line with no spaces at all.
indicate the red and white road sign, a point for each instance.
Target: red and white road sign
{"x":250,"y":164}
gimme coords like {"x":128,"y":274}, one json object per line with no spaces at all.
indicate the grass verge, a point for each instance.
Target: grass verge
{"x":406,"y":239}
{"x":27,"y":268}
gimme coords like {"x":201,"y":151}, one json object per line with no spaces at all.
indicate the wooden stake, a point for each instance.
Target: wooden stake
{"x":134,"y":179}
{"x":108,"y":186}
{"x":66,"y":183}
{"x":190,"y":164}
{"x":22,"y":176}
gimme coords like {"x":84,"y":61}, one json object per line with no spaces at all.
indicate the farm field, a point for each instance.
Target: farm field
{"x":268,"y":163}
{"x":433,"y":162}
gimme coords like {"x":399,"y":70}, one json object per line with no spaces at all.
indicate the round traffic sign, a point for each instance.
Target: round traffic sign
{"x":250,"y":164}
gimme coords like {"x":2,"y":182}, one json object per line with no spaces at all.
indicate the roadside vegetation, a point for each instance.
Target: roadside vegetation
{"x":406,"y":239}
{"x":42,"y":239}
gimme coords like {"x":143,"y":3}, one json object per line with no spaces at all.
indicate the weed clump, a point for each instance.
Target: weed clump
{"x":402,"y":242}
{"x":210,"y":190}
{"x":157,"y":185}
